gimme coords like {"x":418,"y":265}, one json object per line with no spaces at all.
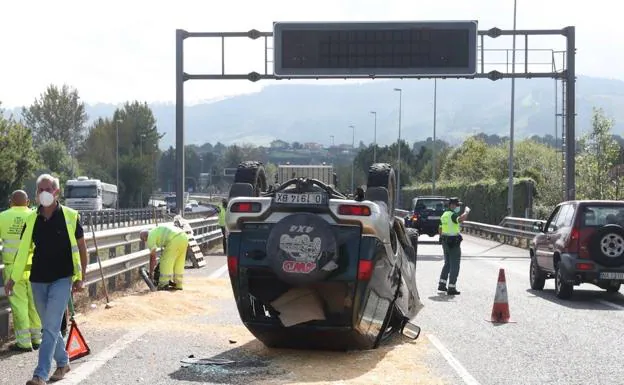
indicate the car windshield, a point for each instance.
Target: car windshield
{"x":600,"y":215}
{"x":430,"y":204}
{"x":81,"y":192}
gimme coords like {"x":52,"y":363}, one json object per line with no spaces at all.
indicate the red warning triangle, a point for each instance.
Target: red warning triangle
{"x":76,"y":345}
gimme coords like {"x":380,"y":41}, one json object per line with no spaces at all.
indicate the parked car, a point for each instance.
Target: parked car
{"x":310,"y":268}
{"x":425,"y":214}
{"x":581,"y":242}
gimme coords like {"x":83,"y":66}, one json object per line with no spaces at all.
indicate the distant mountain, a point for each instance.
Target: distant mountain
{"x":314,"y":112}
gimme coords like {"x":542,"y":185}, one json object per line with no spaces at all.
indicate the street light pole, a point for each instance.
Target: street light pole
{"x":512,"y":118}
{"x":435,"y":107}
{"x":375,"y":138}
{"x":141,"y":159}
{"x":398,"y":186}
{"x":353,"y":161}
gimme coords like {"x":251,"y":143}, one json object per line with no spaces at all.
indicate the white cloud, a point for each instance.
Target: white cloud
{"x":116,"y":50}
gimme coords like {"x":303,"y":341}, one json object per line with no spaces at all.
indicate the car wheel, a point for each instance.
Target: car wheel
{"x":252,"y":172}
{"x":536,"y":276}
{"x":382,"y":175}
{"x":607,"y":246}
{"x":613,"y":288}
{"x":563,"y":290}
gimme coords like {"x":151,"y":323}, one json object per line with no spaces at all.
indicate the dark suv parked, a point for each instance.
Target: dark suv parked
{"x":426,"y":212}
{"x":581,"y":242}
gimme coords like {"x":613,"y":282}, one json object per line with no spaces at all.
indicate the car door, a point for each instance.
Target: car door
{"x":555,"y":234}
{"x":542,"y":240}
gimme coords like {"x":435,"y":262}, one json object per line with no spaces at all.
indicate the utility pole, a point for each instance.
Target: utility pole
{"x":512,"y":119}
{"x":117,"y":121}
{"x":375,"y":138}
{"x":435,"y":105}
{"x":398,"y":186}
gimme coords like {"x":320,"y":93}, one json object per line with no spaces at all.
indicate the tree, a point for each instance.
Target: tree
{"x":56,"y":159}
{"x":57,"y":115}
{"x":599,"y":153}
{"x":17,"y":156}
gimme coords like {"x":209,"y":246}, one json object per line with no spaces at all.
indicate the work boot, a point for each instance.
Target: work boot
{"x":17,"y":348}
{"x":59,"y":373}
{"x":36,"y":381}
{"x":452,"y":291}
{"x":36,"y":345}
{"x":441,"y":287}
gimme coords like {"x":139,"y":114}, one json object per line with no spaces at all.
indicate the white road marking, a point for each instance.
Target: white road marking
{"x":611,"y":304}
{"x":86,"y":369}
{"x":219,"y":272}
{"x":448,"y":356}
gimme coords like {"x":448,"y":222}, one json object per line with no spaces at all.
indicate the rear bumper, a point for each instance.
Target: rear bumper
{"x":581,"y":270}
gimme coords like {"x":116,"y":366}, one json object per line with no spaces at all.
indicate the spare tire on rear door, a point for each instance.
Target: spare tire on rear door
{"x":606,"y":246}
{"x":251,"y":172}
{"x":302,"y":249}
{"x":381,"y":177}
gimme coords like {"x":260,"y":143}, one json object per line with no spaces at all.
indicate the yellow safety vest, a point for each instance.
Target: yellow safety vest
{"x":11,"y":224}
{"x":222,"y":216}
{"x":162,"y":235}
{"x":71,"y":217}
{"x":448,"y":226}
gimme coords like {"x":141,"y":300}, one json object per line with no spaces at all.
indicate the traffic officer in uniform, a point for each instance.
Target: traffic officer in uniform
{"x":222,"y":210}
{"x":174,"y":242}
{"x":26,"y":321}
{"x":451,"y":239}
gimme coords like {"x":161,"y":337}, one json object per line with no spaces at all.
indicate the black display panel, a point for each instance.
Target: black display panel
{"x":390,"y":49}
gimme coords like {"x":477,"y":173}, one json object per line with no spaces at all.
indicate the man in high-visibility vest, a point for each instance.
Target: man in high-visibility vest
{"x":26,"y":321}
{"x":174,"y":241}
{"x":222,"y":210}
{"x":451,"y":239}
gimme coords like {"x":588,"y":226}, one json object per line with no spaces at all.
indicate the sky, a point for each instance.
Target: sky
{"x":113,"y":51}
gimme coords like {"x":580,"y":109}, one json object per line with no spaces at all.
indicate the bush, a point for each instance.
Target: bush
{"x":487,"y":199}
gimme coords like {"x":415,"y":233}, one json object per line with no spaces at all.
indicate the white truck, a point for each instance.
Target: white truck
{"x":86,"y":194}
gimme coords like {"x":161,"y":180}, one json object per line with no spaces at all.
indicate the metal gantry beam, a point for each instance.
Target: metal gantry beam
{"x":566,"y":75}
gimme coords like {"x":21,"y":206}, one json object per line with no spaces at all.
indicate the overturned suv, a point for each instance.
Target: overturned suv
{"x":312,"y":269}
{"x":581,"y":242}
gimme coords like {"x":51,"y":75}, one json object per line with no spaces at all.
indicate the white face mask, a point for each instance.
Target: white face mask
{"x":46,"y":199}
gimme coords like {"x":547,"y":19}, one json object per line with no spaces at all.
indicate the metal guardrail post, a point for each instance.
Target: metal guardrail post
{"x":112,"y":281}
{"x":92,"y":288}
{"x":128,"y":274}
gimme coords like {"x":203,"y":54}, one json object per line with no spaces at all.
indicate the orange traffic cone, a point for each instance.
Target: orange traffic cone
{"x":500,"y":309}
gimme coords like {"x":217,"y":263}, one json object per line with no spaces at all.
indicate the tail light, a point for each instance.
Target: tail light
{"x":246,"y":207}
{"x":357,"y":210}
{"x":365,"y":270}
{"x":232,"y":264}
{"x":573,"y":241}
{"x":584,"y":266}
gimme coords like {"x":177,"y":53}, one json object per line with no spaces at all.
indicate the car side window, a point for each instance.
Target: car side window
{"x":549,"y":227}
{"x":563,"y":217}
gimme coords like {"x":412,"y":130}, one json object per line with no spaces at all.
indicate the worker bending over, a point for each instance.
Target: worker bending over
{"x":26,"y":321}
{"x":174,"y":242}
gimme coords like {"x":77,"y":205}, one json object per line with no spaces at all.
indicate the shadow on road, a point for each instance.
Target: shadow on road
{"x":253,"y":362}
{"x":581,"y":299}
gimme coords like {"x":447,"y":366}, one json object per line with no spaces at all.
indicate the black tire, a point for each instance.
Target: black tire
{"x":613,"y":288}
{"x":382,"y":175}
{"x":413,"y":235}
{"x":252,"y":172}
{"x":317,"y":248}
{"x":563,"y":290}
{"x":606,"y":246}
{"x":537,"y":278}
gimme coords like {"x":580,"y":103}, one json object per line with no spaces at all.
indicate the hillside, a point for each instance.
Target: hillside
{"x":315,"y":111}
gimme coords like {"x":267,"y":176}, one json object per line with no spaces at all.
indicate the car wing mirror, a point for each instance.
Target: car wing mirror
{"x":410,"y":330}
{"x":538,"y":227}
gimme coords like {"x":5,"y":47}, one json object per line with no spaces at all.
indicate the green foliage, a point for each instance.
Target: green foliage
{"x":487,"y":199}
{"x":57,"y":115}
{"x":599,"y":154}
{"x":17,"y":156}
{"x":56,"y":159}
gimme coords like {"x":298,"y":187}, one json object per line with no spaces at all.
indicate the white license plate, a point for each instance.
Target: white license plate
{"x":433,"y":218}
{"x":302,"y":199}
{"x":611,"y":275}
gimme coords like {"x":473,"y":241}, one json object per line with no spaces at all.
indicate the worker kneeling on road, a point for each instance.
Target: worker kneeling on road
{"x":451,"y":239}
{"x":174,"y":242}
{"x":26,"y":321}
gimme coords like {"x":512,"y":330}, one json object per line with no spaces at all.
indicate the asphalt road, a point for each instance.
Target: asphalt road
{"x":144,"y":337}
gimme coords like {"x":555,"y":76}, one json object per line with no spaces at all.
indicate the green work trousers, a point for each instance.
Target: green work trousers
{"x":172,"y":261}
{"x":26,"y":322}
{"x":450,"y":270}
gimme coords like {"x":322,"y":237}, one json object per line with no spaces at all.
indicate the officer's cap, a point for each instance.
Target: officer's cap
{"x":455,"y":201}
